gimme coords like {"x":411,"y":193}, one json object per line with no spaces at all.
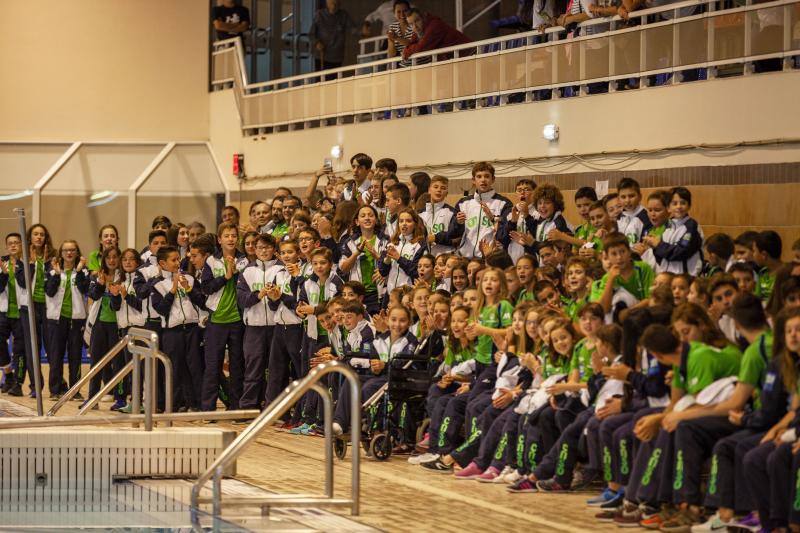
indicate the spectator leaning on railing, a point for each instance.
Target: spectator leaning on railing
{"x":431,"y":33}
{"x":328,"y":34}
{"x":230,"y":19}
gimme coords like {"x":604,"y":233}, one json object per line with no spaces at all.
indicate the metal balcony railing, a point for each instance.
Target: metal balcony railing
{"x":666,"y":41}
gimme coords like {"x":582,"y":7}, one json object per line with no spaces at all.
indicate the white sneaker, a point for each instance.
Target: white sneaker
{"x":423,"y":458}
{"x":714,"y":523}
{"x":512,"y":477}
{"x":501,"y":476}
{"x":337,"y":429}
{"x":107,"y":399}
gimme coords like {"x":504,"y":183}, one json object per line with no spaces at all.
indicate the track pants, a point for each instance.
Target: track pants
{"x":182,"y":345}
{"x":256,"y":354}
{"x":64,"y":335}
{"x":694,"y":442}
{"x":284,"y":358}
{"x":727,"y":485}
{"x":217,"y":338}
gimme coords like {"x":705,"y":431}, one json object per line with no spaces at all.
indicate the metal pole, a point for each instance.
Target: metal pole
{"x":328,"y":414}
{"x":275,"y":40}
{"x":136,"y":384}
{"x":167,"y":381}
{"x":33,"y":341}
{"x":253,"y":41}
{"x":118,"y":418}
{"x":148,"y":393}
{"x":355,"y":438}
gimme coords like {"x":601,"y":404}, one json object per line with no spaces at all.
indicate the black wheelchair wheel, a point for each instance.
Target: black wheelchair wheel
{"x":340,"y":448}
{"x":365,"y":445}
{"x":381,"y":446}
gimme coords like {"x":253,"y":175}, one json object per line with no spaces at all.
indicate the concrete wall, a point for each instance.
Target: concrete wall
{"x":99,"y":69}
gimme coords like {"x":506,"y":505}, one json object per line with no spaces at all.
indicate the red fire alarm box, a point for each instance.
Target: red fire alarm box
{"x":238,"y":165}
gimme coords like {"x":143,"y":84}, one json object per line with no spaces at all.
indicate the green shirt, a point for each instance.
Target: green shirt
{"x":705,"y":365}
{"x":585,"y":231}
{"x":38,"y":287}
{"x":582,"y":360}
{"x":549,"y":368}
{"x":572,"y":306}
{"x":526,"y":295}
{"x":753,"y":369}
{"x":227,"y":312}
{"x":66,"y":303}
{"x":13,"y":308}
{"x":766,"y":283}
{"x":93,"y":262}
{"x":492,"y":316}
{"x":280,"y":230}
{"x":464,"y":353}
{"x":638,"y":283}
{"x":366,"y":263}
{"x":106,"y":313}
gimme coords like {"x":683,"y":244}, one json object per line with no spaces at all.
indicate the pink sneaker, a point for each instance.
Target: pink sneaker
{"x":470,"y":472}
{"x":489,"y":475}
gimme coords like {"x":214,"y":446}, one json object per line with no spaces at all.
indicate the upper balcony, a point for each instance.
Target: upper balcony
{"x":679,"y":43}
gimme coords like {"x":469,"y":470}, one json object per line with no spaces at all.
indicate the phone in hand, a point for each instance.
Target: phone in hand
{"x":328,"y":165}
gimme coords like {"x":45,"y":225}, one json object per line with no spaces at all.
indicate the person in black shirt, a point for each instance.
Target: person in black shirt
{"x":230,"y":19}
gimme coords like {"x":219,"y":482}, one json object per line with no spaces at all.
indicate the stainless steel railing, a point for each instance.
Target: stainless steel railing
{"x":281,"y":405}
{"x":150,"y":353}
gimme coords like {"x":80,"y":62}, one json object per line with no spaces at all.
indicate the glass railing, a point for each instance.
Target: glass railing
{"x":654,"y":44}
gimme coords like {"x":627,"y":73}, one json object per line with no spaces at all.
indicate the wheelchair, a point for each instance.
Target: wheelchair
{"x":409,"y":377}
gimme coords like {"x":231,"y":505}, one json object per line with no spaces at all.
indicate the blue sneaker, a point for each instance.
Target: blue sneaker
{"x":299,"y":429}
{"x":118,"y":405}
{"x":605,"y":496}
{"x":309,"y":429}
{"x":616,"y":502}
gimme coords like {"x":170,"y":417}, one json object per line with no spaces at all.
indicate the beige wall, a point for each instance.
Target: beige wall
{"x":104,"y":69}
{"x":721,"y":111}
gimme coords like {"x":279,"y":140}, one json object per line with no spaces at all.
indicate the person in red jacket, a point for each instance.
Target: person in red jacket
{"x":431,"y":33}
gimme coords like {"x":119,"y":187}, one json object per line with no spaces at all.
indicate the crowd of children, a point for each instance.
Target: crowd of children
{"x":628,"y":353}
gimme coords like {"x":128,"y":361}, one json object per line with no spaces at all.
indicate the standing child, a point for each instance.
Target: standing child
{"x":549,"y":204}
{"x":65,"y":287}
{"x":425,"y":272}
{"x":477,"y":215}
{"x":10,"y":325}
{"x":101,"y":324}
{"x":658,"y":215}
{"x":177,"y":302}
{"x":283,"y":282}
{"x":397,"y":198}
{"x":259,"y":321}
{"x":360,"y":253}
{"x":679,"y":249}
{"x":584,"y":198}
{"x":399,"y":260}
{"x":516,"y":231}
{"x":40,"y":254}
{"x":440,"y":218}
{"x":109,"y":238}
{"x":526,"y":272}
{"x":128,"y":306}
{"x":633,"y":222}
{"x":225,"y":328}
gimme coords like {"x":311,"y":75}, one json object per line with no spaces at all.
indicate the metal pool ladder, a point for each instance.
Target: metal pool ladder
{"x":276,"y":409}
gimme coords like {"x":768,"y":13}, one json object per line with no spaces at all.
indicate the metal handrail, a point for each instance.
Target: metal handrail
{"x":276,"y":409}
{"x":150,"y":353}
{"x":93,"y":371}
